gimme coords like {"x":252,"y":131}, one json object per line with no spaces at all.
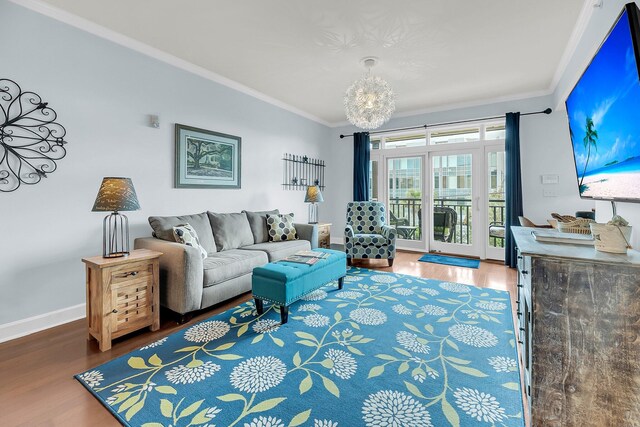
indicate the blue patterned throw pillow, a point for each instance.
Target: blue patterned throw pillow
{"x":186,"y":235}
{"x":281,"y":228}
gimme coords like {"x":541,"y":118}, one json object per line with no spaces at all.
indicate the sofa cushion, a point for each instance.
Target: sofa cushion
{"x":185,"y":234}
{"x":279,"y":250}
{"x":163,"y":228}
{"x":258,"y":223}
{"x":231,"y":230}
{"x":230,"y":264}
{"x":281,"y":228}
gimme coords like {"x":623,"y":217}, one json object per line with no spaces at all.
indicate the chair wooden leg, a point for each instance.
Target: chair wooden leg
{"x":349,"y":262}
{"x":340,"y":282}
{"x":390,"y":262}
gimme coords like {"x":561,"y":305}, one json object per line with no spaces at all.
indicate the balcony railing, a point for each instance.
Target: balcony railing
{"x":406,"y":216}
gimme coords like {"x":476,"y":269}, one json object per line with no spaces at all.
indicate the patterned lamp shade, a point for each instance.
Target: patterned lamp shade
{"x":313,"y":195}
{"x":116,"y":194}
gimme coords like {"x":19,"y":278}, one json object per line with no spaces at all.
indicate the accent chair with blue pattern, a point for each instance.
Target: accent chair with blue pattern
{"x":367,"y":236}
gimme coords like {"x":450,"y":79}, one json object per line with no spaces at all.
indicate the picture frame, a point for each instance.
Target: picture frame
{"x":207,"y":159}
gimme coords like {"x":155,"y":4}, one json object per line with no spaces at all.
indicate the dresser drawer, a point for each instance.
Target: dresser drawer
{"x":524,"y":273}
{"x":135,"y":272}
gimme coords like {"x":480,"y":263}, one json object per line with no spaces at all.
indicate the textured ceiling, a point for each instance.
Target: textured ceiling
{"x":306,"y":53}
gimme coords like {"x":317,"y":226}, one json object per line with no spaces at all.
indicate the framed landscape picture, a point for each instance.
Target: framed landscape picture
{"x":207,"y":159}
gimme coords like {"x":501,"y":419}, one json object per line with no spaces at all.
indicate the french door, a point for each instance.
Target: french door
{"x":455,"y":202}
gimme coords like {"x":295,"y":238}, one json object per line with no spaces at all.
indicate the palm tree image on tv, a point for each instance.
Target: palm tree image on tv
{"x":590,"y":139}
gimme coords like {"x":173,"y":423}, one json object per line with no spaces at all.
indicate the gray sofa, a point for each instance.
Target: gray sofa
{"x":236,"y":243}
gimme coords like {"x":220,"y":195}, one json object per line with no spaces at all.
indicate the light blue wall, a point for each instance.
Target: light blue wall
{"x":103,"y":93}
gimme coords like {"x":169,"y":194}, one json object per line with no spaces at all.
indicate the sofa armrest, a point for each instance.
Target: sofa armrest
{"x":308,"y":232}
{"x":181,"y":274}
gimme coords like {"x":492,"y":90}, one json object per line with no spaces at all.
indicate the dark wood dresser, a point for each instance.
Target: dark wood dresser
{"x":579,"y":333}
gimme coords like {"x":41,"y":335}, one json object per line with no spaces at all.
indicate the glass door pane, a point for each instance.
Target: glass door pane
{"x":496,"y":206}
{"x":404,"y":190}
{"x":452,"y":199}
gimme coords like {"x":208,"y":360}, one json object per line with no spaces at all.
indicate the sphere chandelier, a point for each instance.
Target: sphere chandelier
{"x":369,"y":101}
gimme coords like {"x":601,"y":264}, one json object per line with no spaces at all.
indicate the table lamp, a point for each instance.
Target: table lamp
{"x":115,"y":195}
{"x":313,"y":196}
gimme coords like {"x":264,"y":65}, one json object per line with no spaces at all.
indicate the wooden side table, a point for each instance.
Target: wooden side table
{"x":123,"y":295}
{"x":324,"y":235}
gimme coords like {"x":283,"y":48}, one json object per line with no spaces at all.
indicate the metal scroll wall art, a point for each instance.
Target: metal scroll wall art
{"x":31,"y":141}
{"x":298,"y":172}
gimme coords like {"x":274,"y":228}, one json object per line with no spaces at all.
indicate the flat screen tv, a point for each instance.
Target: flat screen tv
{"x":604,"y":116}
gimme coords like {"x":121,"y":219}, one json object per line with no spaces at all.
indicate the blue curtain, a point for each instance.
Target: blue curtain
{"x":361,"y":156}
{"x":513,"y":185}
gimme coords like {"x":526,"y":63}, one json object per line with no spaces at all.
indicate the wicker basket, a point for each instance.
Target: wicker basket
{"x":579,"y":226}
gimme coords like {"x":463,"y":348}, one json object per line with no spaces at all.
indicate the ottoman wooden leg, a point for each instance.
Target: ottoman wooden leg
{"x":284,"y":314}
{"x":340,"y":282}
{"x":259,"y":306}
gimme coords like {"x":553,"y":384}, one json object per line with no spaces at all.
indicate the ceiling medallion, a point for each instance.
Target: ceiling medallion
{"x":31,"y":141}
{"x":369,"y":102}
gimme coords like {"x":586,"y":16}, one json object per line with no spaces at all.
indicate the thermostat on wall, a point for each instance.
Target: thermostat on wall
{"x":550,"y":179}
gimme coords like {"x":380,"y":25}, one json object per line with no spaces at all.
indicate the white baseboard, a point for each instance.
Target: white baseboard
{"x":337,"y":240}
{"x":30,"y":325}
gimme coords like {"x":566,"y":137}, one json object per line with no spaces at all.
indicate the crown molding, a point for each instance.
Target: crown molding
{"x":461,"y":105}
{"x":143,"y":48}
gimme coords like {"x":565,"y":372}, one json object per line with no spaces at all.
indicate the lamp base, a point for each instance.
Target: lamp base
{"x":115,"y":236}
{"x":116,"y":255}
{"x":313,"y":213}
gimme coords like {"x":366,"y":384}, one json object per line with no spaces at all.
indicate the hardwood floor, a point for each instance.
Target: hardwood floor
{"x":36,"y":372}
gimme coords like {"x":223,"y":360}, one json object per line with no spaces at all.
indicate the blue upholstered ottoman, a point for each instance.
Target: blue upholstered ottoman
{"x":283,"y":283}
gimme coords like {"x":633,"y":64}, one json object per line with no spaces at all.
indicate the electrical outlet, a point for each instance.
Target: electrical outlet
{"x":550,"y":192}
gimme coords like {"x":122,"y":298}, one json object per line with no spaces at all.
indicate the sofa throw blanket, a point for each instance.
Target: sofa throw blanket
{"x":186,"y":235}
{"x":281,"y":228}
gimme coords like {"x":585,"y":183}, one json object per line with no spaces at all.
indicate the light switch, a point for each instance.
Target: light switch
{"x":550,"y":179}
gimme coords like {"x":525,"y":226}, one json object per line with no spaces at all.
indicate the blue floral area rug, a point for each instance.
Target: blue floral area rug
{"x":387,"y":350}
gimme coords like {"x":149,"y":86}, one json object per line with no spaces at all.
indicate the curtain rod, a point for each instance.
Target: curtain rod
{"x":546,"y":111}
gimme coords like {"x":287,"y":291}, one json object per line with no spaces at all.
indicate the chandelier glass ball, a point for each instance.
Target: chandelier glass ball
{"x":369,"y":102}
